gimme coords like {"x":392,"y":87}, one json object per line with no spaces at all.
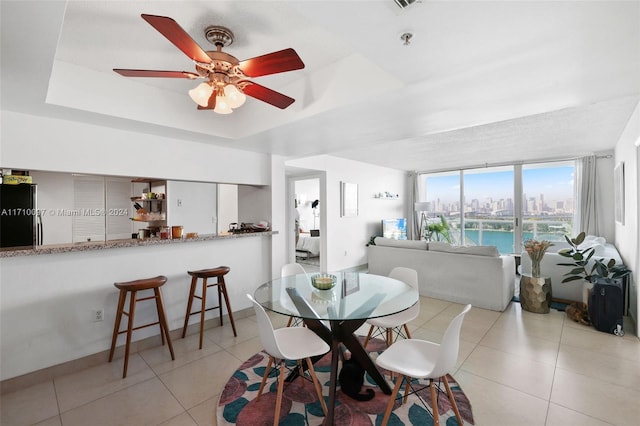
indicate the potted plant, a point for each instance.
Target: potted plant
{"x":438,"y":231}
{"x":581,"y":270}
{"x":580,"y":265}
{"x":535,"y":290}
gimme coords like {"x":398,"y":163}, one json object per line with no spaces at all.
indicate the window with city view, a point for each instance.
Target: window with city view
{"x":478,"y":207}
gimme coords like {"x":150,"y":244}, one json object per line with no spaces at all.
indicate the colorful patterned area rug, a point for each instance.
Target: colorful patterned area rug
{"x":300,"y":405}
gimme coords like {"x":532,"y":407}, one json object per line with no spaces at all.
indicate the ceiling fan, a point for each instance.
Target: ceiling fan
{"x":226,"y":78}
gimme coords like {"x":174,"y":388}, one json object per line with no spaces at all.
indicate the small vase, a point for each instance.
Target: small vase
{"x":535,"y":269}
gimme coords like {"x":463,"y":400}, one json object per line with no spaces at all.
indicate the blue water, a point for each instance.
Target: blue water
{"x":504,"y":240}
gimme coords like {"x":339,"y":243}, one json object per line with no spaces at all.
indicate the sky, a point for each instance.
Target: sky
{"x":556,"y":183}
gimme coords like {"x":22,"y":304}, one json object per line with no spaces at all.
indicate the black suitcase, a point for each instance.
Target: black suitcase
{"x":606,"y":305}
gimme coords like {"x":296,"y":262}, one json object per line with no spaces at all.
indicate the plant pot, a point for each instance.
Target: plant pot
{"x":535,"y":294}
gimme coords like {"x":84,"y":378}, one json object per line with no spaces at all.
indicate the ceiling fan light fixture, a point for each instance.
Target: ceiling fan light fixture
{"x":222,"y":105}
{"x":201,"y":94}
{"x":234,"y":96}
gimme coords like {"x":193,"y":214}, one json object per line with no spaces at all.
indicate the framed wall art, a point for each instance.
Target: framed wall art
{"x":348,"y":199}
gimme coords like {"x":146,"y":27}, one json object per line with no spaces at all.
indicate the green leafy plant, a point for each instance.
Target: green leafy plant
{"x":580,"y":265}
{"x":439,"y":231}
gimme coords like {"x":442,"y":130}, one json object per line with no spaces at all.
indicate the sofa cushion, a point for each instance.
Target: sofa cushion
{"x":410,"y":244}
{"x":491,"y":251}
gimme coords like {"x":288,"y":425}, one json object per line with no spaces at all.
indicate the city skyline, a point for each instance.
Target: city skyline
{"x":546,"y":190}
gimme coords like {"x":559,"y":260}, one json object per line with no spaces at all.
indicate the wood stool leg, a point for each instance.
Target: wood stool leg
{"x":132,"y":308}
{"x":162,"y":319}
{"x":189,"y":304}
{"x":203,"y":309}
{"x":220,"y":300}
{"x":223,"y":287}
{"x":116,"y":327}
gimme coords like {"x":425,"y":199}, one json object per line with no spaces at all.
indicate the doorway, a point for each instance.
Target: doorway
{"x":307,"y":212}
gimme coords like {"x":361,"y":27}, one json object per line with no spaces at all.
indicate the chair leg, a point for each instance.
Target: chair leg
{"x":281,"y":380}
{"x":407,"y":389}
{"x":116,"y":327}
{"x":392,"y":400}
{"x":452,"y":400}
{"x":406,"y":330}
{"x":192,"y":291}
{"x":434,"y":403}
{"x":366,"y":340}
{"x":290,"y":321}
{"x":316,"y":383}
{"x":264,"y":377}
{"x":301,"y":371}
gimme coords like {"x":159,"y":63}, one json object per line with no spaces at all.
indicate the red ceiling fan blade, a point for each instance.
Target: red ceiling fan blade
{"x":212,"y":102}
{"x":152,"y":73}
{"x":176,"y":35}
{"x":271,"y":63}
{"x":267,"y":95}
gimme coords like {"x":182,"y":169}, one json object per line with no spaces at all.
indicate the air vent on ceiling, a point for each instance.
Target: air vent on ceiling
{"x":404,"y":3}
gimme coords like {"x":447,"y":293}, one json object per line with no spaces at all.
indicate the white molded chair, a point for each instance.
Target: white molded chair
{"x":288,"y":270}
{"x":288,"y":343}
{"x":396,"y":322}
{"x":421,"y":359}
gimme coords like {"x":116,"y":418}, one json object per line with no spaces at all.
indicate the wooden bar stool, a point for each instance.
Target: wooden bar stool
{"x":218,"y":273}
{"x":131,"y":288}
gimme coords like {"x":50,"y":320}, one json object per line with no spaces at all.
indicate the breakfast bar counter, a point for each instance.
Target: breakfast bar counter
{"x":133,"y":242}
{"x":53,"y":292}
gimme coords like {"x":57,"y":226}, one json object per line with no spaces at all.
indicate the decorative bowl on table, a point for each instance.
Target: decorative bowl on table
{"x":323,"y":281}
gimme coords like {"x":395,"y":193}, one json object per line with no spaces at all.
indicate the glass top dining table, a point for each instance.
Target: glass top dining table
{"x":355,"y":298}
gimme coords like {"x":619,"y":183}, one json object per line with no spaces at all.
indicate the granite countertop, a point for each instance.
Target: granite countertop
{"x":103,"y":245}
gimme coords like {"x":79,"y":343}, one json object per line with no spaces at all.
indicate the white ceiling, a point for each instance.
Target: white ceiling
{"x":482,"y":82}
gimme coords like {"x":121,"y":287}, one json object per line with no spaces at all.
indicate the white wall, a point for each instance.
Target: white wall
{"x":40,"y":143}
{"x":626,"y":235}
{"x":346,"y":237}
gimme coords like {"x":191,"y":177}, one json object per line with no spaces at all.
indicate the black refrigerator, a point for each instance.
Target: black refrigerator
{"x":20,"y":221}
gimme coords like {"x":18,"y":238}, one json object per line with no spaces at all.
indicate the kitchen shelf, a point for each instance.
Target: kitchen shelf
{"x":147,"y":199}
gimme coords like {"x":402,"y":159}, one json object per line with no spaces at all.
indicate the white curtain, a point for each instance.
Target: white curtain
{"x":412,"y":225}
{"x":585,"y":209}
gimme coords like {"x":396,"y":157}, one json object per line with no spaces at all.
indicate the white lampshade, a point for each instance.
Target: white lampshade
{"x":235,"y":97}
{"x":201,"y":94}
{"x":222,"y":105}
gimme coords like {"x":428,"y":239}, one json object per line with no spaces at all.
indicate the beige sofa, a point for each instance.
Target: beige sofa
{"x":476,"y":275}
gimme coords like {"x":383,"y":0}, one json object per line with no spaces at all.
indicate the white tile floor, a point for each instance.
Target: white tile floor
{"x":517,"y":368}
